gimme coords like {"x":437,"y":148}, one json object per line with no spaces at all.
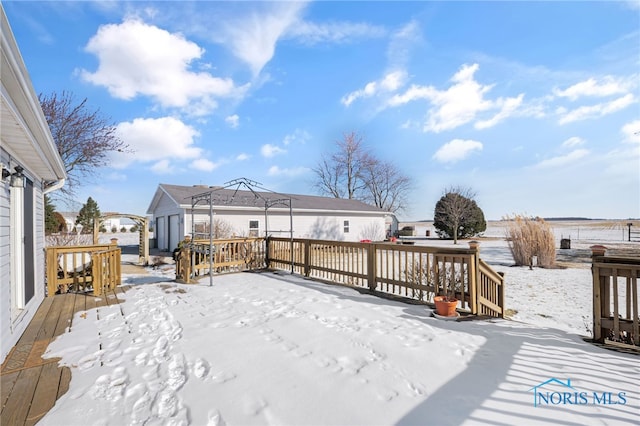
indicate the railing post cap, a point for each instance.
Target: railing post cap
{"x":114,"y":241}
{"x":474,"y":244}
{"x":598,"y":250}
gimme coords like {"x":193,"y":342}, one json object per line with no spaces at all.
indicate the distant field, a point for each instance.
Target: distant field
{"x":576,"y":230}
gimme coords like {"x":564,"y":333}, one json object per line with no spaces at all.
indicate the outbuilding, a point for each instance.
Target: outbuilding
{"x":249,"y":213}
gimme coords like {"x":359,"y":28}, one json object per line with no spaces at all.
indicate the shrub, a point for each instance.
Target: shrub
{"x":457,"y":215}
{"x":134,"y":228}
{"x":372,"y":232}
{"x":114,"y":229}
{"x":123,"y":229}
{"x":68,"y":239}
{"x":529,"y":237}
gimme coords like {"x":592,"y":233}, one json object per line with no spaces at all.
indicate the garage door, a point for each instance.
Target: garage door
{"x":161,"y":234}
{"x":174,"y":231}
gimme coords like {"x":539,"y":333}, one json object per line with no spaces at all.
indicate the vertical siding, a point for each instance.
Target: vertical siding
{"x":39,"y":240}
{"x":5,"y":287}
{"x":305,"y":225}
{"x":12,"y":323}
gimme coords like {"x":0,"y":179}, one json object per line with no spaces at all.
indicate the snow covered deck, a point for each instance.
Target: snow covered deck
{"x":32,"y":384}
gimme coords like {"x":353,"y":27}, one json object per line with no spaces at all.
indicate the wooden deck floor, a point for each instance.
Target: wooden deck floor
{"x":31,"y":385}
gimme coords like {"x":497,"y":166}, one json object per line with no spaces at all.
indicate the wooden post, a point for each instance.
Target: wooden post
{"x":371,"y":265}
{"x":307,"y":257}
{"x":97,"y":273}
{"x":598,"y":288}
{"x":52,"y":270}
{"x":474,"y":266}
{"x":267,"y":254}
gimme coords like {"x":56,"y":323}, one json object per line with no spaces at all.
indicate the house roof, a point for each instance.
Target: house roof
{"x":230,"y":197}
{"x":25,"y":132}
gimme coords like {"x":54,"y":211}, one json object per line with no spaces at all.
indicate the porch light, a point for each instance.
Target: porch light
{"x":17,"y":178}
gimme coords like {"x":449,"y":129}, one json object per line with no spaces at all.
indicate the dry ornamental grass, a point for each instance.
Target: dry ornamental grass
{"x":529,"y":238}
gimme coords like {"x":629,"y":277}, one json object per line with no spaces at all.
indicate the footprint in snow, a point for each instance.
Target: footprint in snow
{"x":201,"y":368}
{"x":161,"y":348}
{"x":177,"y":372}
{"x":134,"y":394}
{"x":167,"y":404}
{"x":215,"y":418}
{"x":222,"y":377}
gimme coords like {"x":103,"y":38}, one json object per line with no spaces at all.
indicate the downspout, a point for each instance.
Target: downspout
{"x":52,"y":186}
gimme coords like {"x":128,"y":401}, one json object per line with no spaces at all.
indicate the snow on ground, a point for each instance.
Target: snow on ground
{"x":278,"y":349}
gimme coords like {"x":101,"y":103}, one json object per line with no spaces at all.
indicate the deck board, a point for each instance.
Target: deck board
{"x":16,"y":408}
{"x":30,"y":384}
{"x":46,"y":393}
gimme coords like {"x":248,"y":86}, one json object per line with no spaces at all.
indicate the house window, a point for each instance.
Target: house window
{"x":254,"y":226}
{"x":346,"y":226}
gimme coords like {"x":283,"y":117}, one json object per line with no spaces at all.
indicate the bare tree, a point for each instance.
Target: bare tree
{"x":341,"y":175}
{"x":328,"y":178}
{"x":353,"y":172}
{"x":387,"y":187}
{"x":84,"y":137}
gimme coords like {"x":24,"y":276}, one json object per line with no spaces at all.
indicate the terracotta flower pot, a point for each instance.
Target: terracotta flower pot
{"x":444,"y":306}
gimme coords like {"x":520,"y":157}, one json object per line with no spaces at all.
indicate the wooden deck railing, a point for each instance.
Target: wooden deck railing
{"x":615,"y":298}
{"x":229,"y":255}
{"x":415,"y":272}
{"x":490,"y":291}
{"x":82,"y":268}
{"x":409,"y":271}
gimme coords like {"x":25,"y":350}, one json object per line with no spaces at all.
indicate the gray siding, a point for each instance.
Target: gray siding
{"x":13,"y":321}
{"x":5,"y":283}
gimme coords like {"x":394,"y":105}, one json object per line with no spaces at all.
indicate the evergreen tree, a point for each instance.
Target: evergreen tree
{"x":53,"y":221}
{"x":87,"y":215}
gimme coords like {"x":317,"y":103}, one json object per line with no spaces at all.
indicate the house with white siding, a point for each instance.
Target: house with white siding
{"x":255,"y":213}
{"x":31,"y":167}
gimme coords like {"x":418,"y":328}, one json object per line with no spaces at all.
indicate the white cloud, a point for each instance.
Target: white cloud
{"x":296,"y":171}
{"x":460,"y":103}
{"x":252,"y":38}
{"x":233,"y":121}
{"x":573,"y":141}
{"x":269,"y":150}
{"x":400,"y":43}
{"x":413,"y":93}
{"x":153,"y":139}
{"x":456,"y":150}
{"x":162,"y":167}
{"x":242,"y":157}
{"x":204,"y":165}
{"x":298,"y":136}
{"x":507,"y":108}
{"x":631,"y":132}
{"x":606,"y":87}
{"x":595,"y":111}
{"x":562,"y":160}
{"x":391,"y":82}
{"x":633,"y":4}
{"x":333,"y":32}
{"x":140,"y":59}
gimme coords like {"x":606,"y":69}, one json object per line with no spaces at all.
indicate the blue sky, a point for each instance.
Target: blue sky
{"x":532,"y":105}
